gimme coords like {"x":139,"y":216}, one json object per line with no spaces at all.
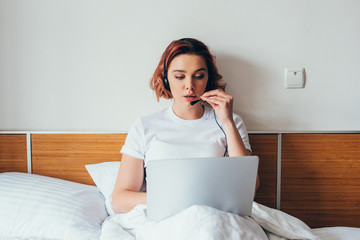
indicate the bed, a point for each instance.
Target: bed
{"x":58,"y":186}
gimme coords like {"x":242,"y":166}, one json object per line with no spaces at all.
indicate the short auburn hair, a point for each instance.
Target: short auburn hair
{"x":185,"y":46}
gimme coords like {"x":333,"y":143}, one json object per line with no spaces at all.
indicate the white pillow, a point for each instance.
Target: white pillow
{"x":43,"y":207}
{"x":104,"y":175}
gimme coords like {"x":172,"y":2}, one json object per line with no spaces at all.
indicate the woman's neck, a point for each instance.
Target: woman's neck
{"x":188,"y":112}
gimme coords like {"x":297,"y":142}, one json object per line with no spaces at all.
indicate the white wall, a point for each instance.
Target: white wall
{"x":85,"y":65}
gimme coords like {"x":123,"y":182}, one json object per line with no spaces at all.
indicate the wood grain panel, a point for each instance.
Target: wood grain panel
{"x":265,"y":146}
{"x":320,"y":181}
{"x":13,"y":154}
{"x":65,"y":155}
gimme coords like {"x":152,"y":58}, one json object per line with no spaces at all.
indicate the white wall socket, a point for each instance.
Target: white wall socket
{"x":294,"y":78}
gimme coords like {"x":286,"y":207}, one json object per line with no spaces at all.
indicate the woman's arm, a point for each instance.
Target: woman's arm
{"x":236,"y":145}
{"x":222,"y":103}
{"x":128,"y":183}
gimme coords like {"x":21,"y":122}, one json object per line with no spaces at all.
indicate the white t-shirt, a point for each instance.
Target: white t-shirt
{"x":163,"y":135}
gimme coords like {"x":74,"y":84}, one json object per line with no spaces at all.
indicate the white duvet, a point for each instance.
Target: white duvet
{"x":202,"y":222}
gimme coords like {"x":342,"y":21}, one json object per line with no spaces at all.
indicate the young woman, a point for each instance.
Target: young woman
{"x":186,"y":73}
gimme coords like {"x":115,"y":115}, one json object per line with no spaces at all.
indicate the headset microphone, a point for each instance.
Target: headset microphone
{"x":194,"y":102}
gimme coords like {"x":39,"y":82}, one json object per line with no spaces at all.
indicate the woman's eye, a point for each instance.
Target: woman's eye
{"x":199,"y":76}
{"x":179,"y":77}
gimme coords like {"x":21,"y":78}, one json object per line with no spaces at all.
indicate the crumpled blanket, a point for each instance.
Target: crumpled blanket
{"x":202,"y":222}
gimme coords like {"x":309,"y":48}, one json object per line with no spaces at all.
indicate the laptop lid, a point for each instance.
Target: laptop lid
{"x":225,"y":183}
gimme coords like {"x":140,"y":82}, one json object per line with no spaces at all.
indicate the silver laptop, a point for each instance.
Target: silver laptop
{"x":225,"y":183}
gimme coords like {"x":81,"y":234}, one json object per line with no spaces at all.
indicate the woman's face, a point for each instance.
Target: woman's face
{"x":188,"y":76}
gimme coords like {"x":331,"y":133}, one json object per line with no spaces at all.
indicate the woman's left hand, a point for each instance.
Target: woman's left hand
{"x":222,"y":103}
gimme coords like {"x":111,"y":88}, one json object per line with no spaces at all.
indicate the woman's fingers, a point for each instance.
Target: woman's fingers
{"x":217,"y":97}
{"x":216,"y":92}
{"x":221,"y":102}
{"x":214,"y":100}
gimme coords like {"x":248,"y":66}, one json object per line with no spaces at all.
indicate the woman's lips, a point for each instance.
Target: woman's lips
{"x":190,"y":98}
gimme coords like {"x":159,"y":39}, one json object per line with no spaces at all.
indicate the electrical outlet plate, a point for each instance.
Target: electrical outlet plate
{"x":294,"y":78}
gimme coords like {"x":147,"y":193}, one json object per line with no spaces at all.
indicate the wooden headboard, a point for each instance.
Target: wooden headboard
{"x":65,"y":155}
{"x":312,"y":176}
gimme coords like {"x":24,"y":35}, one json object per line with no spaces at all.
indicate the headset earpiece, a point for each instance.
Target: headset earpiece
{"x":166,"y":83}
{"x":165,"y":80}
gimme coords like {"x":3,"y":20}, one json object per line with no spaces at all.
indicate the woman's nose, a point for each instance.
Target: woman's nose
{"x":189,"y":84}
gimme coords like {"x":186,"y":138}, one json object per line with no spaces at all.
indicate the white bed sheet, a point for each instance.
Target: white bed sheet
{"x":328,"y":233}
{"x":201,"y":222}
{"x":337,"y":233}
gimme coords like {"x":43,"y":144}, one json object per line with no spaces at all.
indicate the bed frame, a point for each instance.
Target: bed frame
{"x":312,"y":176}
